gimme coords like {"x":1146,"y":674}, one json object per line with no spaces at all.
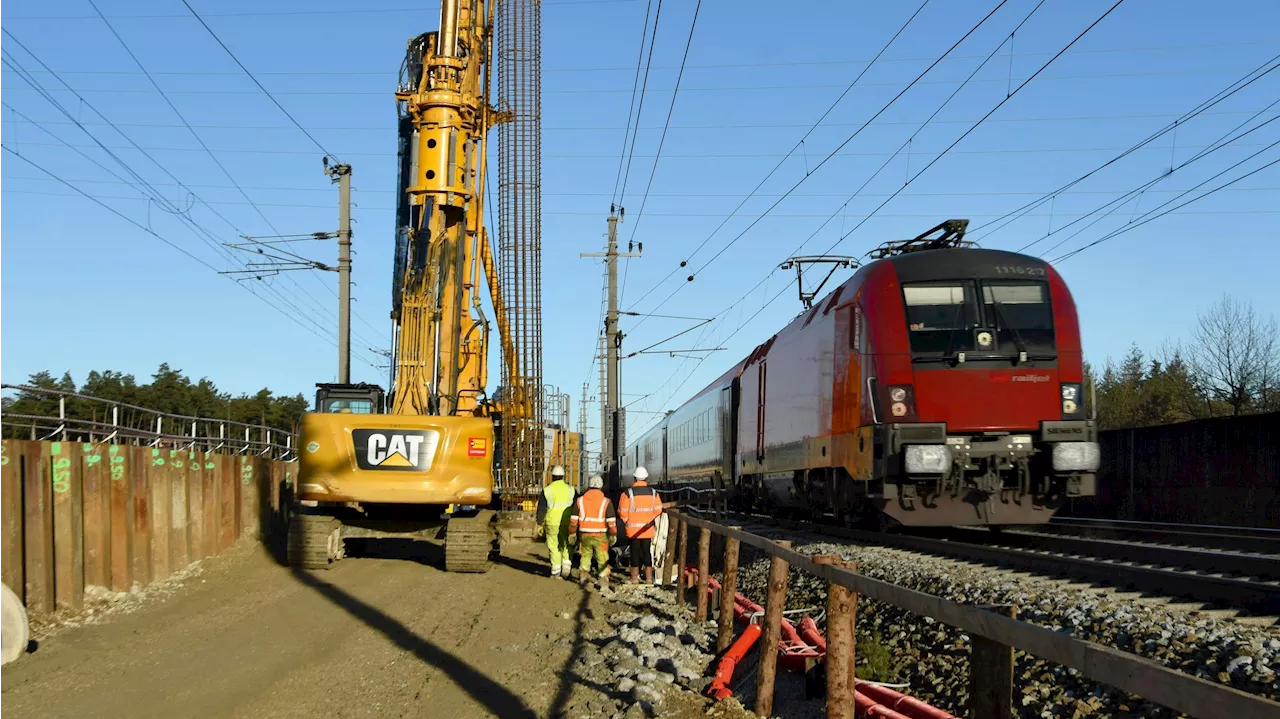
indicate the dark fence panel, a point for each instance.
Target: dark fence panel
{"x":1214,"y":471}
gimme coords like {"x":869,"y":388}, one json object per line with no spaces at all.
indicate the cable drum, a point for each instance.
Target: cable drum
{"x":14,"y":630}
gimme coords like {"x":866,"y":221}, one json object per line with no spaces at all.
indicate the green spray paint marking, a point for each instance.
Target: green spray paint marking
{"x":4,"y":457}
{"x":62,"y":475}
{"x":156,"y":459}
{"x":117,"y":463}
{"x":208,"y":461}
{"x":246,"y":471}
{"x":61,"y":470}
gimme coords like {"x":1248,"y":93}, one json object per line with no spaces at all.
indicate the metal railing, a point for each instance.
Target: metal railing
{"x":116,"y":422}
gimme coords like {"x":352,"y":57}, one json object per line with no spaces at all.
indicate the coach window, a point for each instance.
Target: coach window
{"x":940,"y":317}
{"x":1021,"y":314}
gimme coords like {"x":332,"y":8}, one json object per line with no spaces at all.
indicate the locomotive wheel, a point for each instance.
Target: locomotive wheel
{"x":315,"y":541}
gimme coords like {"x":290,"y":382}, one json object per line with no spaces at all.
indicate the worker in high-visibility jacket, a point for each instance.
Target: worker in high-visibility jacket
{"x":639,"y":508}
{"x":554,"y":507}
{"x":594,"y":520}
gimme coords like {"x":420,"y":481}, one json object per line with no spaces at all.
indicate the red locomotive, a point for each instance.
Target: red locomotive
{"x":942,"y":384}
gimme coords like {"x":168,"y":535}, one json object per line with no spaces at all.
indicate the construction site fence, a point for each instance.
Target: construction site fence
{"x":995,"y":631}
{"x":122,"y":516}
{"x":115,"y":422}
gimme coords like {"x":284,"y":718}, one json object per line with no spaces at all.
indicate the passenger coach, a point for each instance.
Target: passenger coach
{"x":942,"y":384}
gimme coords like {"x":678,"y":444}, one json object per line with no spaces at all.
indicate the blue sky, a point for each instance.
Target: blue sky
{"x":84,"y":289}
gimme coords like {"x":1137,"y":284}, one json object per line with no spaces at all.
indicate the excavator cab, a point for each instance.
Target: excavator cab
{"x":362,"y":398}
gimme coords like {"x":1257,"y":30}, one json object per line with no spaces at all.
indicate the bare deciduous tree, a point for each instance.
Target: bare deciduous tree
{"x":1236,"y":356}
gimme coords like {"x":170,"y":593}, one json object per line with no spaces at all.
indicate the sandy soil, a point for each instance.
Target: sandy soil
{"x":388,"y":634}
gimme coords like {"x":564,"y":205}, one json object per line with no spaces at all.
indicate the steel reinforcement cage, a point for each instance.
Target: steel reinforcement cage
{"x":518,"y":69}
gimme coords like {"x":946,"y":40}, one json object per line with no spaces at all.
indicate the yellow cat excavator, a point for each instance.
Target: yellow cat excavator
{"x":423,"y":457}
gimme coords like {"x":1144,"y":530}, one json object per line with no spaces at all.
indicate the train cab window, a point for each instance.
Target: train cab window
{"x":940,"y":317}
{"x":1021,"y":314}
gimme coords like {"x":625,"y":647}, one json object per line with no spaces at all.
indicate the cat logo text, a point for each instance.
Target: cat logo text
{"x":394,"y":450}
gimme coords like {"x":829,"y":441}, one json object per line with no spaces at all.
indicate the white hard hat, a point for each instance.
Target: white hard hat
{"x":596,"y":482}
{"x":640,"y":473}
{"x":557,"y":471}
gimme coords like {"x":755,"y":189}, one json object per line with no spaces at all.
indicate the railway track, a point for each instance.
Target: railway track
{"x":1246,"y":583}
{"x":1235,"y":539}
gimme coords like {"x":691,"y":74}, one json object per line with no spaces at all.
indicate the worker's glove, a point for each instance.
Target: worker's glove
{"x":573,"y":539}
{"x":613,"y":539}
{"x":540,"y":532}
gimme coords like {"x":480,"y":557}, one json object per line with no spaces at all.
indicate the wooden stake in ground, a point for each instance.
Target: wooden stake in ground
{"x":682,"y":552}
{"x":728,"y":588}
{"x":991,"y":675}
{"x":774,"y":603}
{"x":704,"y":572}
{"x":669,"y":572}
{"x":839,"y":647}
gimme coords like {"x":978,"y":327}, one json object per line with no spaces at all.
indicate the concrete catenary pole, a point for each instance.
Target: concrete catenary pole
{"x":611,"y":429}
{"x":342,"y":175}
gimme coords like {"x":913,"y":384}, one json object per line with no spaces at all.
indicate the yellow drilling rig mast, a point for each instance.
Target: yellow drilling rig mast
{"x":429,"y":459}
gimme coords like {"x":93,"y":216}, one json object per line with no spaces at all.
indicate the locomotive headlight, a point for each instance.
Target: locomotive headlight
{"x":927,"y":458}
{"x":901,"y":401}
{"x":1076,"y":456}
{"x":1071,"y":401}
{"x":898,"y":394}
{"x":899,"y":409}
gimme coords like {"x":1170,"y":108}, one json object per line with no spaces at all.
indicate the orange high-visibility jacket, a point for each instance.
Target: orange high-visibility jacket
{"x":639,"y":507}
{"x":593,"y":514}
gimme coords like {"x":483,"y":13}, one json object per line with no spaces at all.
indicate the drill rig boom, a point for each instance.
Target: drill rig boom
{"x":441,"y":246}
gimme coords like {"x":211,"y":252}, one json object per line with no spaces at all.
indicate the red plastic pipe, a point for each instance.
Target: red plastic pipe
{"x":865,"y":707}
{"x":897,"y":701}
{"x":724,"y":670}
{"x":812,"y":635}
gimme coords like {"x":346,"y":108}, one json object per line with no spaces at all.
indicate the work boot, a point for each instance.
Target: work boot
{"x":604,"y":578}
{"x":648,"y":575}
{"x":635,"y":575}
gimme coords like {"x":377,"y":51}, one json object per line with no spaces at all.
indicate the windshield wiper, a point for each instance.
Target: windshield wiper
{"x":1002,"y":320}
{"x":951,"y":338}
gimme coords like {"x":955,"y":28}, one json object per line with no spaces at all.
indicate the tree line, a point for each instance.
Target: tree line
{"x":1228,"y":366}
{"x":169,"y":391}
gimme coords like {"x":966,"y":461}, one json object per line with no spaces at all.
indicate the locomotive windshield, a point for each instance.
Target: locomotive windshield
{"x":945,"y":318}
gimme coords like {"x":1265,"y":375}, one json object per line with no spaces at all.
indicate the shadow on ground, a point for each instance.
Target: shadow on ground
{"x":496,"y":698}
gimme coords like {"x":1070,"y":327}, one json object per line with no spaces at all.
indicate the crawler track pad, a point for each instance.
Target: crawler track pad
{"x":468,"y":541}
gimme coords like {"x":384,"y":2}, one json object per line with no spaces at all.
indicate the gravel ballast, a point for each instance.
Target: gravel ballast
{"x":932,"y":658}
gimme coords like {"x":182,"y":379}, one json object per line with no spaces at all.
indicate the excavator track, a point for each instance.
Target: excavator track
{"x":467,"y":543}
{"x":314,"y":542}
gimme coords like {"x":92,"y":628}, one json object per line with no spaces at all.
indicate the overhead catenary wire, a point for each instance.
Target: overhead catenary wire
{"x":832,"y":154}
{"x":142,"y":184}
{"x":1119,"y":201}
{"x":255,"y":80}
{"x":1235,"y":87}
{"x":635,"y":90}
{"x":292,"y":317}
{"x":199,"y":140}
{"x":1149,"y":216}
{"x":662,"y":140}
{"x":849,"y":87}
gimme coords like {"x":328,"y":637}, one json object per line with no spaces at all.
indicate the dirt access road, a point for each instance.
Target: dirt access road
{"x":385,"y":635}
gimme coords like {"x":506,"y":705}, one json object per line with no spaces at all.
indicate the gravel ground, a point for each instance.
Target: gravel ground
{"x":932,"y":658}
{"x":651,"y":660}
